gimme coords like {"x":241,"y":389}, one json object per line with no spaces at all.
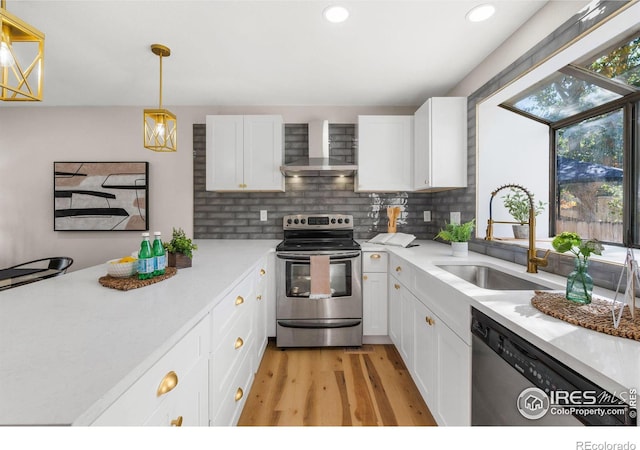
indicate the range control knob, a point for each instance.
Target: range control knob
{"x":339,"y":220}
{"x":289,"y":221}
{"x":333,"y":220}
{"x":296,"y":221}
{"x":303,"y":221}
{"x":346,"y":220}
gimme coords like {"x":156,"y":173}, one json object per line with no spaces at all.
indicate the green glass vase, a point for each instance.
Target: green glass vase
{"x":580,"y":283}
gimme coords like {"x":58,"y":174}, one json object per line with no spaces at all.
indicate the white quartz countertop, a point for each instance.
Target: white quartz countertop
{"x":69,"y":346}
{"x":611,"y":362}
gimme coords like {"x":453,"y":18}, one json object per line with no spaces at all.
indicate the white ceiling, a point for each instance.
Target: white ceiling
{"x":241,"y":52}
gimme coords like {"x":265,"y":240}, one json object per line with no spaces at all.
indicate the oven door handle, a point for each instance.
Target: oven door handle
{"x":306,"y":256}
{"x":318,"y":325}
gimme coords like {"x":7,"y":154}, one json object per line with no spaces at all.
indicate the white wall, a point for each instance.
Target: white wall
{"x":511,"y":150}
{"x":32,"y":138}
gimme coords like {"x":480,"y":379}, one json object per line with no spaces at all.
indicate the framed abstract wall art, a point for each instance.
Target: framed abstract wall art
{"x":100,"y":196}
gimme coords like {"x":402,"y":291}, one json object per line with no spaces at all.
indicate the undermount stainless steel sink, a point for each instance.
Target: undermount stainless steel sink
{"x":490,"y":278}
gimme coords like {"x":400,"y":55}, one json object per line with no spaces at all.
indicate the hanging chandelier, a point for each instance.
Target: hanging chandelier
{"x":160,"y":125}
{"x":21,"y":59}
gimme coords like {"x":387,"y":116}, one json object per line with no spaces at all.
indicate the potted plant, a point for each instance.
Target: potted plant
{"x":517,"y":203}
{"x":458,"y":234}
{"x":579,"y":282}
{"x":180,"y":249}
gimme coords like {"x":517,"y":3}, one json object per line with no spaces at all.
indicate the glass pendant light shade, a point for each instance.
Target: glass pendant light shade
{"x":160,"y":125}
{"x":21,"y":59}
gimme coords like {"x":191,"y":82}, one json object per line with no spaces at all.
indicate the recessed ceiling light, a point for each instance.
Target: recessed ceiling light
{"x":336,"y":14}
{"x":480,"y":13}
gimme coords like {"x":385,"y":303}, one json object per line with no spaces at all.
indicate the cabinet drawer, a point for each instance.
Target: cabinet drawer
{"x":239,"y":301}
{"x":188,"y":405}
{"x":229,"y":354}
{"x":139,"y":402}
{"x":401,"y":270}
{"x":226,"y":408}
{"x":374,"y":261}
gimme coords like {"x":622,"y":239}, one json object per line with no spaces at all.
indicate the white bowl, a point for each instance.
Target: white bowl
{"x":122,"y":270}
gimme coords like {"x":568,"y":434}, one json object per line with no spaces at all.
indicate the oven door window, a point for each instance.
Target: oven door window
{"x":298,"y":278}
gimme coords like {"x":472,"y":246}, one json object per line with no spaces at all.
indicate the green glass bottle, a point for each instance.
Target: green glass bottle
{"x":158,"y":254}
{"x":145,"y":259}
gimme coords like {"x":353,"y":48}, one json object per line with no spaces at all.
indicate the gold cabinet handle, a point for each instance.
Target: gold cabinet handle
{"x":259,"y":297}
{"x":239,"y":394}
{"x":168,"y":383}
{"x":397,"y":286}
{"x":239,"y":343}
{"x":262,"y":272}
{"x":398,"y":269}
{"x":177,"y":422}
{"x":429,"y":320}
{"x":375,"y":256}
{"x":239,"y":300}
{"x":364,"y":277}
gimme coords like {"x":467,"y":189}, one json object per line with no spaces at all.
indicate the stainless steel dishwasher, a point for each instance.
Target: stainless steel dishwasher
{"x":516,"y":383}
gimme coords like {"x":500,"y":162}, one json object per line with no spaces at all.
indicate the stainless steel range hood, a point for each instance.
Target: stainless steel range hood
{"x":318,"y":163}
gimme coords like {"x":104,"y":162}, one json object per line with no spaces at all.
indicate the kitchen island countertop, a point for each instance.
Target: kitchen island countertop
{"x":69,"y":346}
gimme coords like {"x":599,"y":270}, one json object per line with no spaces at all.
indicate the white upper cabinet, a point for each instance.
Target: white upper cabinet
{"x":385,"y":153}
{"x":441,"y":144}
{"x":244,"y":153}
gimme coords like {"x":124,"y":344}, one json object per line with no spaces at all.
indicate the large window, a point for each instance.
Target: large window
{"x":591,"y":108}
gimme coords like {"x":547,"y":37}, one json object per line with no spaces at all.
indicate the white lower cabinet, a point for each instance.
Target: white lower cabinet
{"x":239,"y":338}
{"x":438,"y":359}
{"x":374,"y":294}
{"x":174,"y":391}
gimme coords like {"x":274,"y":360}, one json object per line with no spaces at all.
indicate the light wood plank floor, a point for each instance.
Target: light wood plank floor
{"x":365,"y":386}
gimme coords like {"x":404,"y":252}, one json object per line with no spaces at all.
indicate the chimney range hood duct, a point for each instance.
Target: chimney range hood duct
{"x":318,"y":163}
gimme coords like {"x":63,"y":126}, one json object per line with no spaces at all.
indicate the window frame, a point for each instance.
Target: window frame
{"x":631,"y":154}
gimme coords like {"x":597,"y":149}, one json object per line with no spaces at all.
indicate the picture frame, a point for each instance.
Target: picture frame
{"x":101,"y":196}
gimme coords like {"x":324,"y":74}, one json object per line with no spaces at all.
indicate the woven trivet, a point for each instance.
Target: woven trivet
{"x":126,"y":284}
{"x":595,"y":316}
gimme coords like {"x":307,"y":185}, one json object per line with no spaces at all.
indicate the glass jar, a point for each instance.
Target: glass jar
{"x":580,"y":283}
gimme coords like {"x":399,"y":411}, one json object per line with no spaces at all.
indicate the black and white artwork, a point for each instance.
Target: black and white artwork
{"x":101,"y":196}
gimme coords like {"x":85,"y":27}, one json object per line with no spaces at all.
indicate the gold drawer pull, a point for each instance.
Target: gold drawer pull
{"x":239,"y":300}
{"x":168,"y":383}
{"x":259,"y":297}
{"x":398,"y":269}
{"x":262,"y":272}
{"x":375,"y":256}
{"x":397,"y":286}
{"x":239,"y":394}
{"x":239,"y":343}
{"x":177,"y":422}
{"x":364,"y":277}
{"x":429,"y":320}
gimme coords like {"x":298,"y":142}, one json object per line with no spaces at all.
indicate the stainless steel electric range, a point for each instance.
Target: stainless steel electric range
{"x":319,"y":287}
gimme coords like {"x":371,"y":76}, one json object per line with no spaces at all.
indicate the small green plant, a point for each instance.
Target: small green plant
{"x":517,"y":203}
{"x":180,"y":243}
{"x":572,"y":242}
{"x":454,"y":232}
